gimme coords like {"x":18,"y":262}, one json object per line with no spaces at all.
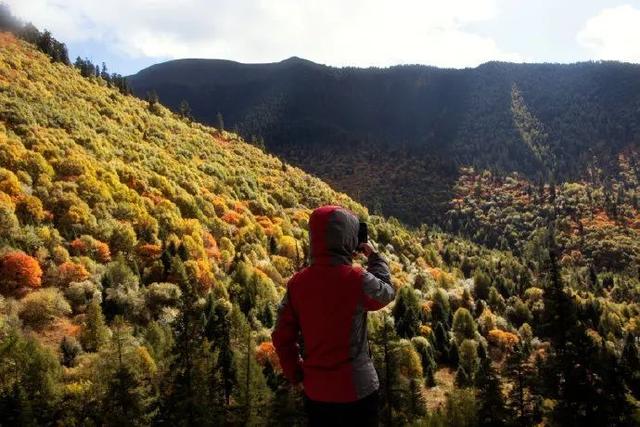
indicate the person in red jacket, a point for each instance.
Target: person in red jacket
{"x":326,"y":307}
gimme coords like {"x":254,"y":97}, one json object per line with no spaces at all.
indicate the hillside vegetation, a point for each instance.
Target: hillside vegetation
{"x":342,"y":124}
{"x":143,"y":255}
{"x":598,"y":221}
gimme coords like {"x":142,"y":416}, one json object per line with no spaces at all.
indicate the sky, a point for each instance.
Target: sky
{"x":132,"y":34}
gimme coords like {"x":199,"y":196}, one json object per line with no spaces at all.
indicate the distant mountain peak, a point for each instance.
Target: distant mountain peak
{"x":294,"y":59}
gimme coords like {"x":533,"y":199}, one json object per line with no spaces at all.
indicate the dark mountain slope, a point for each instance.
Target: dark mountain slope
{"x":365,"y":129}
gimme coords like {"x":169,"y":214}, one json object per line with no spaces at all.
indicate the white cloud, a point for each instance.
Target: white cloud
{"x":336,"y":32}
{"x":613,"y":34}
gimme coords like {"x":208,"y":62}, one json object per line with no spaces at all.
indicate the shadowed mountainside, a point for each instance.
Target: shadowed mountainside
{"x":367,"y":130}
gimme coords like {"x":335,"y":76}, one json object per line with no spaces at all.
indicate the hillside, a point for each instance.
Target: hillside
{"x":367,"y":130}
{"x":143,"y":255}
{"x":598,"y":221}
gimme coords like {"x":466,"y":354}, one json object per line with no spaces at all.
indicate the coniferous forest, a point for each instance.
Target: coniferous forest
{"x":143,"y":256}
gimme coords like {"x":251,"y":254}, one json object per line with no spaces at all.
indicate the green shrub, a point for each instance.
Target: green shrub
{"x":39,"y":308}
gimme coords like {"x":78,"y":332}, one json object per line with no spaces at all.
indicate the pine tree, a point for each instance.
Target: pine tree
{"x":381,"y":336}
{"x":464,"y":327}
{"x":129,"y":399}
{"x":424,"y":349}
{"x":95,"y":333}
{"x":481,"y":284}
{"x":29,"y":375}
{"x":442,"y":345}
{"x":218,"y":332}
{"x":417,"y":402}
{"x":576,"y":371}
{"x":152,"y":98}
{"x":219,"y":122}
{"x":462,"y":378}
{"x":69,"y":349}
{"x":406,"y":313}
{"x":491,"y":411}
{"x":631,"y":364}
{"x":468,"y":360}
{"x":181,"y":404}
{"x":441,"y":310}
{"x":252,"y":393}
{"x":522,"y":402}
{"x":185,"y":110}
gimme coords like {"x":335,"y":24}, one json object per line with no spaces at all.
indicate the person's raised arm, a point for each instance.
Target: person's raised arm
{"x":285,"y":340}
{"x":377,"y":288}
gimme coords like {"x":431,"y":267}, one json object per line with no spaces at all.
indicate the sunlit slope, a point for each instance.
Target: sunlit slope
{"x":80,"y":159}
{"x":98,"y":160}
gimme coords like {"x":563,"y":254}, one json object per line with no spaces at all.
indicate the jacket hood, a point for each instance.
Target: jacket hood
{"x":333,"y":232}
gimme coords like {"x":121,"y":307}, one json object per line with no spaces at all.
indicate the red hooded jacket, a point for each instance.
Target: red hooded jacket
{"x":326,"y":305}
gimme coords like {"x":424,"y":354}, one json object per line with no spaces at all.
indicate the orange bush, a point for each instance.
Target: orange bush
{"x":426,"y":308}
{"x":103,"y":253}
{"x":71,"y":272}
{"x":95,"y":248}
{"x":502,"y":339}
{"x":18,"y":270}
{"x":240,"y":207}
{"x":210,"y":245}
{"x":149,"y":251}
{"x":231,"y":217}
{"x":266,"y":224}
{"x":78,"y":246}
{"x":266,"y":352}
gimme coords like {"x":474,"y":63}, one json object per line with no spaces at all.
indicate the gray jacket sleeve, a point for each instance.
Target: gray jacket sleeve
{"x":377,"y":288}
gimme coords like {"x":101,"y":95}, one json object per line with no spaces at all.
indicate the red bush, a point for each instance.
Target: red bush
{"x":18,"y":270}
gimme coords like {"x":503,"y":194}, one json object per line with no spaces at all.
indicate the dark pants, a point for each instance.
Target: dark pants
{"x":363,"y":412}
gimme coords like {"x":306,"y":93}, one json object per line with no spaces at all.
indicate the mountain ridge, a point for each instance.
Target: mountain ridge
{"x":323,"y":119}
{"x":300,"y":60}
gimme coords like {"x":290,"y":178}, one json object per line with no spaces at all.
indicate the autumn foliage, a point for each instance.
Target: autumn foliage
{"x":18,"y":270}
{"x":72,"y":272}
{"x":502,"y":339}
{"x":266,"y":353}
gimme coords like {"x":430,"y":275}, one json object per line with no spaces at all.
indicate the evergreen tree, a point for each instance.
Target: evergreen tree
{"x":407,"y":313}
{"x":427,"y":358}
{"x":252,"y":393}
{"x":577,"y":371}
{"x":631,"y":364}
{"x":70,"y":349}
{"x":464,"y":327}
{"x":218,"y":332}
{"x":94,"y":333}
{"x":491,"y":409}
{"x":468,"y":360}
{"x":381,"y":336}
{"x":219,"y":122}
{"x":181,"y":404}
{"x":129,"y":399}
{"x":185,"y":110}
{"x":29,"y":374}
{"x":522,"y":402}
{"x":481,"y":284}
{"x":152,"y":98}
{"x":462,"y":378}
{"x":442,"y":345}
{"x":441,"y":310}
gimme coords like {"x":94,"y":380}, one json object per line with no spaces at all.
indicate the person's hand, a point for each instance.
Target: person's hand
{"x":367,"y":249}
